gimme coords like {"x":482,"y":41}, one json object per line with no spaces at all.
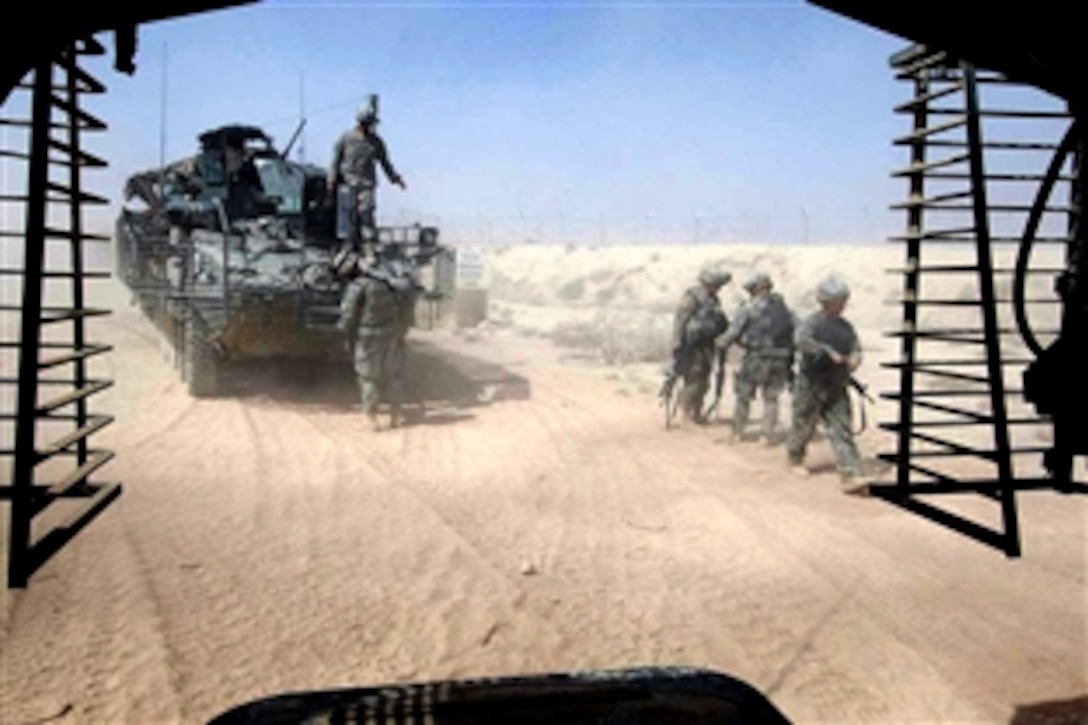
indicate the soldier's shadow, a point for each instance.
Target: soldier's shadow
{"x":440,"y":387}
{"x":779,"y":438}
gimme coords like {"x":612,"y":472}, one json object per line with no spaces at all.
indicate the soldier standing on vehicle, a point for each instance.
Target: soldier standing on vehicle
{"x":369,"y":315}
{"x":830,"y":353}
{"x":699,"y":320}
{"x":355,"y":155}
{"x":764,"y":327}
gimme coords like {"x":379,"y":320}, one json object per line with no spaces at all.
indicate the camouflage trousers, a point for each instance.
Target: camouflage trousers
{"x":760,"y":373}
{"x":811,"y":405}
{"x":696,"y":382}
{"x":379,"y":364}
{"x":360,"y":216}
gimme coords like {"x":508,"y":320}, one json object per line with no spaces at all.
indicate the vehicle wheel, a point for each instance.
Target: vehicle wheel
{"x":200,"y":364}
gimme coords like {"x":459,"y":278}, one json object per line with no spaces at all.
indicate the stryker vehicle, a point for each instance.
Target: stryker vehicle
{"x":241,"y":200}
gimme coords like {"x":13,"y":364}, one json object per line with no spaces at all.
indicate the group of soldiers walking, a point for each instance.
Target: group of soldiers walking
{"x":378,"y":308}
{"x":824,"y":344}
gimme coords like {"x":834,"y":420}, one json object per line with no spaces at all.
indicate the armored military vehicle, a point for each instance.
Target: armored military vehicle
{"x":231,"y":256}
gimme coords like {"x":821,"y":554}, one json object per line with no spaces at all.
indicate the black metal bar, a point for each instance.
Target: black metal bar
{"x":921,"y":167}
{"x":968,"y":303}
{"x":993,"y":240}
{"x":1002,"y":113}
{"x":57,"y":275}
{"x":1035,"y":451}
{"x":76,"y":225}
{"x":949,"y":363}
{"x":76,"y":355}
{"x":50,"y":381}
{"x":923,"y":132}
{"x":958,"y":331}
{"x":946,"y":394}
{"x":915,"y":201}
{"x":924,"y":99}
{"x":910,"y":287}
{"x":989,"y":313}
{"x":893,"y":495}
{"x":70,"y":234}
{"x":918,"y":234}
{"x":969,"y":268}
{"x":74,"y":437}
{"x":66,"y":452}
{"x":23,"y":123}
{"x":1009,"y":208}
{"x":980,"y":379}
{"x":978,"y":417}
{"x":52,"y":542}
{"x":19,"y":568}
{"x":1072,"y":287}
{"x":916,"y":67}
{"x":995,"y":177}
{"x":84,"y":197}
{"x":937,"y":337}
{"x":79,"y":475}
{"x":957,"y":423}
{"x":77,"y":158}
{"x":1004,"y":145}
{"x":75,"y":395}
{"x":952,"y":445}
{"x":76,"y":114}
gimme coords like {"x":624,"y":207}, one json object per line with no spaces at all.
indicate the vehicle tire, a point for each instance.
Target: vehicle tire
{"x":200,"y":364}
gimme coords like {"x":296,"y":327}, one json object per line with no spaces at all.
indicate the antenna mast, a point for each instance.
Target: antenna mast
{"x":302,"y":117}
{"x":162,"y":113}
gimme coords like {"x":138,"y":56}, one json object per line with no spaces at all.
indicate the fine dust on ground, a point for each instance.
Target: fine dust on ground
{"x":534,"y":517}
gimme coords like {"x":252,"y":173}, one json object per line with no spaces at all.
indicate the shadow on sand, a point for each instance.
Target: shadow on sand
{"x":440,"y":386}
{"x":1055,"y":712}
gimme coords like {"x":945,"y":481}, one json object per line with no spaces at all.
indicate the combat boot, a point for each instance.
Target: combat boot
{"x":854,"y":484}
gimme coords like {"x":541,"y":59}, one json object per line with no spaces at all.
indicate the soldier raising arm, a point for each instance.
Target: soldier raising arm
{"x":740,"y":323}
{"x":381,"y":153}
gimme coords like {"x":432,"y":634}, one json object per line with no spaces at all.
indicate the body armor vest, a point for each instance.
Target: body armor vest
{"x":839,"y":335}
{"x":707,"y":321}
{"x":771,"y":327}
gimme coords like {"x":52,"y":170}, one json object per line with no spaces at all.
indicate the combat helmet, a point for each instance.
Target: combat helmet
{"x":832,"y":289}
{"x":759,"y":279}
{"x":714,"y":275}
{"x":368,"y":113}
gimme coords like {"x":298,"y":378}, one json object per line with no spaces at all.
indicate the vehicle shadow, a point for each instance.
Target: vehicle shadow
{"x":1055,"y":712}
{"x":440,"y":386}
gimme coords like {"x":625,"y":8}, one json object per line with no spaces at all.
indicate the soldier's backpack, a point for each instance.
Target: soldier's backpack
{"x":401,"y":279}
{"x":706,"y":323}
{"x":773,"y":329}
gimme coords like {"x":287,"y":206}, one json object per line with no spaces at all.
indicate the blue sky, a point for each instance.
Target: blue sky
{"x":724,"y":121}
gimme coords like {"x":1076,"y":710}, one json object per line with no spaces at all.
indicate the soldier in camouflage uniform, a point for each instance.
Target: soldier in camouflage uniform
{"x":830,"y":353}
{"x":354,"y":158}
{"x":764,"y":327}
{"x":699,"y":320}
{"x":370,"y":316}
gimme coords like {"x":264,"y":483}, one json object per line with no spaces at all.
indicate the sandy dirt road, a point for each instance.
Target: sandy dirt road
{"x":538,"y":518}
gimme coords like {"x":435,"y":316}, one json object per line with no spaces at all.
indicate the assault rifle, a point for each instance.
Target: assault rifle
{"x":861,"y":389}
{"x":681,"y":361}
